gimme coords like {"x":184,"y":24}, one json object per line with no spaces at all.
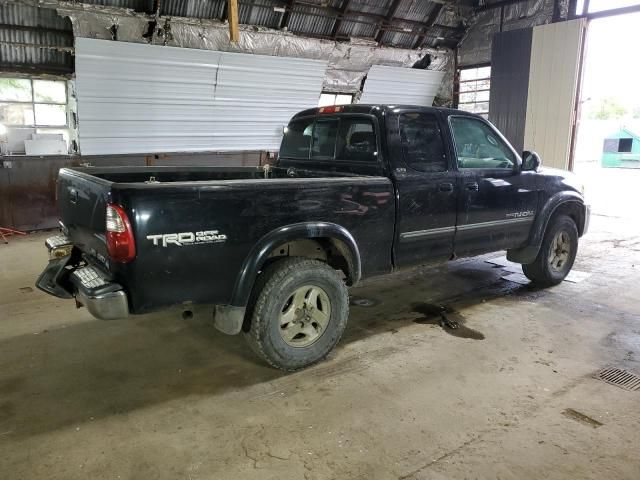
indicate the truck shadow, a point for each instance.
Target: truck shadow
{"x":95,"y":370}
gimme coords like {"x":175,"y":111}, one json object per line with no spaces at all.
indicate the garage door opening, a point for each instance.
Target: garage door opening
{"x":607,"y":152}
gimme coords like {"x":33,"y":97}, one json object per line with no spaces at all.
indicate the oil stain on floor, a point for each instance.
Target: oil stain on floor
{"x":447,"y":318}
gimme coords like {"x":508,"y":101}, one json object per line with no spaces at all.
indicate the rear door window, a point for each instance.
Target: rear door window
{"x":422,"y":142}
{"x":356,"y":140}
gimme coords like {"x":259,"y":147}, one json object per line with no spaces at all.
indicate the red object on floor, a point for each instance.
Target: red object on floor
{"x":7,"y":232}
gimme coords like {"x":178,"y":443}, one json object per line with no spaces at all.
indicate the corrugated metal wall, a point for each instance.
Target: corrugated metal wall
{"x":34,"y":39}
{"x":510,"y":60}
{"x":135,"y":98}
{"x":553,"y":80}
{"x":402,"y":86}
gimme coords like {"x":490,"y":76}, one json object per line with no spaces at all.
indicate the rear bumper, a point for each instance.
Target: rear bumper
{"x":105,"y":300}
{"x":105,"y":306}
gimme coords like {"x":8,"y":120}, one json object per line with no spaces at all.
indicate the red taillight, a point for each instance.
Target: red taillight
{"x":330,"y":109}
{"x":120,"y":242}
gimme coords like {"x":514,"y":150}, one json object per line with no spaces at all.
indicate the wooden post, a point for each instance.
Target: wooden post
{"x":232,"y":9}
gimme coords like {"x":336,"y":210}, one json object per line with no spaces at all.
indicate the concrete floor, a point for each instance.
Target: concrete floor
{"x":158,"y":397}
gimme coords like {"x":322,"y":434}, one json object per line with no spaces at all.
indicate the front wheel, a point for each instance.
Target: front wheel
{"x":556,"y":255}
{"x":298,"y":313}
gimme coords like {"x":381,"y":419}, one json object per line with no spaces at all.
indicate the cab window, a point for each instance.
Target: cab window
{"x":296,"y":142}
{"x":422,"y":142}
{"x":356,"y":140}
{"x":347,"y":138}
{"x":478,"y":146}
{"x":323,"y":139}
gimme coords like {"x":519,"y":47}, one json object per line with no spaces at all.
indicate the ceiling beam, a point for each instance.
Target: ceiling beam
{"x":429,"y":22}
{"x":234,"y":30}
{"x":26,"y":28}
{"x":225,"y":12}
{"x":351,"y":16}
{"x":500,"y":4}
{"x":391,"y":12}
{"x":342,"y":10}
{"x":284,"y":19}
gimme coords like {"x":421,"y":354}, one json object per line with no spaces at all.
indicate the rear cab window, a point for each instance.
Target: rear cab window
{"x":343,"y":138}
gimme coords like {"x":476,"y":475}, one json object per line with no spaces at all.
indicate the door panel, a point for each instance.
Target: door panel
{"x":427,"y":190}
{"x":496,"y":216}
{"x":497,"y":203}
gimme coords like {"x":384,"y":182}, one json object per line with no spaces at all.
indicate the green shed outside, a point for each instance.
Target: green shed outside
{"x":621,"y":149}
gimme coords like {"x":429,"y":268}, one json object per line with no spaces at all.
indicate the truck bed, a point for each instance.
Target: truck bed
{"x":241,"y":204}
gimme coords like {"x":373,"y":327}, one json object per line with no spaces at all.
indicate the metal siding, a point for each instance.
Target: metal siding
{"x":136,"y":5}
{"x":191,"y":8}
{"x":398,"y":39}
{"x":135,"y":98}
{"x":510,"y":59}
{"x":417,"y":11}
{"x":402,"y":86}
{"x":357,"y":29}
{"x":256,"y":95}
{"x":259,"y":13}
{"x":378,"y":7}
{"x":311,"y":21}
{"x":20,"y":48}
{"x":553,"y":78}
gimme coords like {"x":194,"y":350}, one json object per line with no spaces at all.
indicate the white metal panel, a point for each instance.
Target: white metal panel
{"x":256,"y":95}
{"x":401,"y":86}
{"x":553,"y":79}
{"x":136,"y":98}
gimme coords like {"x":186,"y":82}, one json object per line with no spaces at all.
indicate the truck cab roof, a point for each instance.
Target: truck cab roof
{"x":375,"y":109}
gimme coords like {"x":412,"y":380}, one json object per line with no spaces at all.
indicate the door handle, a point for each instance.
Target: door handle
{"x":472,"y":186}
{"x":445,"y":187}
{"x":73,"y":195}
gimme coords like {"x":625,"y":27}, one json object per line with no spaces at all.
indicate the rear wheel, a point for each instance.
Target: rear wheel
{"x":556,"y":255}
{"x":298,"y":313}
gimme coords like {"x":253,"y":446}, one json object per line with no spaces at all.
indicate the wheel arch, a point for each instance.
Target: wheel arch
{"x":562,"y":203}
{"x":328,"y":235}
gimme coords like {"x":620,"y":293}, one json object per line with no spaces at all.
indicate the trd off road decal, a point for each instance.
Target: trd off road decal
{"x":184,"y":239}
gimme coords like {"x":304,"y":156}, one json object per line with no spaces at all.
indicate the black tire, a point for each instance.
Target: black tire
{"x":274,"y":291}
{"x":543,"y":271}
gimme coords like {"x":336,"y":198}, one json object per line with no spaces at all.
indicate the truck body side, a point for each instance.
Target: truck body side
{"x":202,"y":235}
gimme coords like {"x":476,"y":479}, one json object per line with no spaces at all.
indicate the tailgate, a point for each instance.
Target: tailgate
{"x":82,"y":202}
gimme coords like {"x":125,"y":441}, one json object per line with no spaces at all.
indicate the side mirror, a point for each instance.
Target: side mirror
{"x":530,"y":161}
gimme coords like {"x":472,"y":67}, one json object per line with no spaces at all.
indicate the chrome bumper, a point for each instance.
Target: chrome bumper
{"x":105,"y":300}
{"x":106,"y":306}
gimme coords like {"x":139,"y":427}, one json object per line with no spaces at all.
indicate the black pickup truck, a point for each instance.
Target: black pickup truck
{"x":357,"y":191}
